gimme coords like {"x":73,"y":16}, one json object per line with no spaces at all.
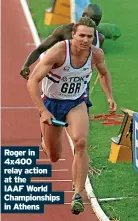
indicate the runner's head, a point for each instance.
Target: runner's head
{"x":83,"y":33}
{"x":93,"y":11}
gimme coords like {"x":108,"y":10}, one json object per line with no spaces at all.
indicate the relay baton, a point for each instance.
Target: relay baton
{"x":59,"y":123}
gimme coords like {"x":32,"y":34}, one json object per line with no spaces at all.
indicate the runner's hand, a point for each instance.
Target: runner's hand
{"x":46,"y":117}
{"x":25,"y":72}
{"x":112,"y":106}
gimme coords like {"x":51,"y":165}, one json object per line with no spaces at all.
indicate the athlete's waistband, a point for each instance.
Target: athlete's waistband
{"x":44,"y":97}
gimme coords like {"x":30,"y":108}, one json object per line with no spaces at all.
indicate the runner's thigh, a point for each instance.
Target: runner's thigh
{"x":78,"y":121}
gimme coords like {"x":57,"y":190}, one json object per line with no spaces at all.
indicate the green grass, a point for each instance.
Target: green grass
{"x":116,"y":180}
{"x":123,"y":210}
{"x":121,"y":57}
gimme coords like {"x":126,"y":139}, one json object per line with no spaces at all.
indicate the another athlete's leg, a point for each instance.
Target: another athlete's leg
{"x":52,"y":141}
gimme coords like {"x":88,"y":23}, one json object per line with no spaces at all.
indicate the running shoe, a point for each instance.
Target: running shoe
{"x":77,"y":204}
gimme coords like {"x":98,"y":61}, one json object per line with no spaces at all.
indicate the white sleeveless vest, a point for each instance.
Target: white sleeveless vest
{"x":67,"y":82}
{"x":97,"y":42}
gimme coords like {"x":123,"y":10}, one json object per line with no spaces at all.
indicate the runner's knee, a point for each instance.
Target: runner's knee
{"x":80,"y":144}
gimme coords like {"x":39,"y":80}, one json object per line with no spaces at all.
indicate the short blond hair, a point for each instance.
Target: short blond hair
{"x":86,"y":21}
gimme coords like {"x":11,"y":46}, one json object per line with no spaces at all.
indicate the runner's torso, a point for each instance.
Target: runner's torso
{"x":67,"y":82}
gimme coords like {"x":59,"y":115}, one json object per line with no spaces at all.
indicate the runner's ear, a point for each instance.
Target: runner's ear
{"x":73,"y":34}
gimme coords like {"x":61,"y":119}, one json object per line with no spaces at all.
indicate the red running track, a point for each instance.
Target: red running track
{"x":21,"y":126}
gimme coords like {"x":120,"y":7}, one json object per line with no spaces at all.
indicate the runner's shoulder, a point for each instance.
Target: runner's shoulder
{"x":98,"y":54}
{"x":59,"y":47}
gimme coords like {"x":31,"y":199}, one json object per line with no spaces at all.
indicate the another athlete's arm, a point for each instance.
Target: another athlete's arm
{"x":105,"y":77}
{"x":34,"y":55}
{"x":101,"y":39}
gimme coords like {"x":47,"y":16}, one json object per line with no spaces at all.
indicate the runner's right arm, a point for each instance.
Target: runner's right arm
{"x":34,"y":55}
{"x":54,"y":56}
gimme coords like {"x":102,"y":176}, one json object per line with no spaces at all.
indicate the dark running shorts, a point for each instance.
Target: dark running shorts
{"x":60,"y":108}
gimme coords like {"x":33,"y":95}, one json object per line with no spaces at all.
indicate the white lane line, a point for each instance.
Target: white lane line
{"x":60,"y":170}
{"x":51,"y":180}
{"x":30,"y":44}
{"x":30,"y":22}
{"x":114,"y":199}
{"x":43,"y":160}
{"x":17,"y":108}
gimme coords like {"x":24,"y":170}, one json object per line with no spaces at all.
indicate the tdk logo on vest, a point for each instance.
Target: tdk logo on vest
{"x":73,"y":79}
{"x":66,"y":68}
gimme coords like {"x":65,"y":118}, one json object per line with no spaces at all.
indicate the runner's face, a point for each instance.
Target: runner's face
{"x":83,"y":37}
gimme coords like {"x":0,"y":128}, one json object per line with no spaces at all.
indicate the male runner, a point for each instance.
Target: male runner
{"x":66,"y":69}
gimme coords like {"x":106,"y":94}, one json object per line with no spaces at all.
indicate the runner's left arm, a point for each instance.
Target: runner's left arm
{"x":105,"y":77}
